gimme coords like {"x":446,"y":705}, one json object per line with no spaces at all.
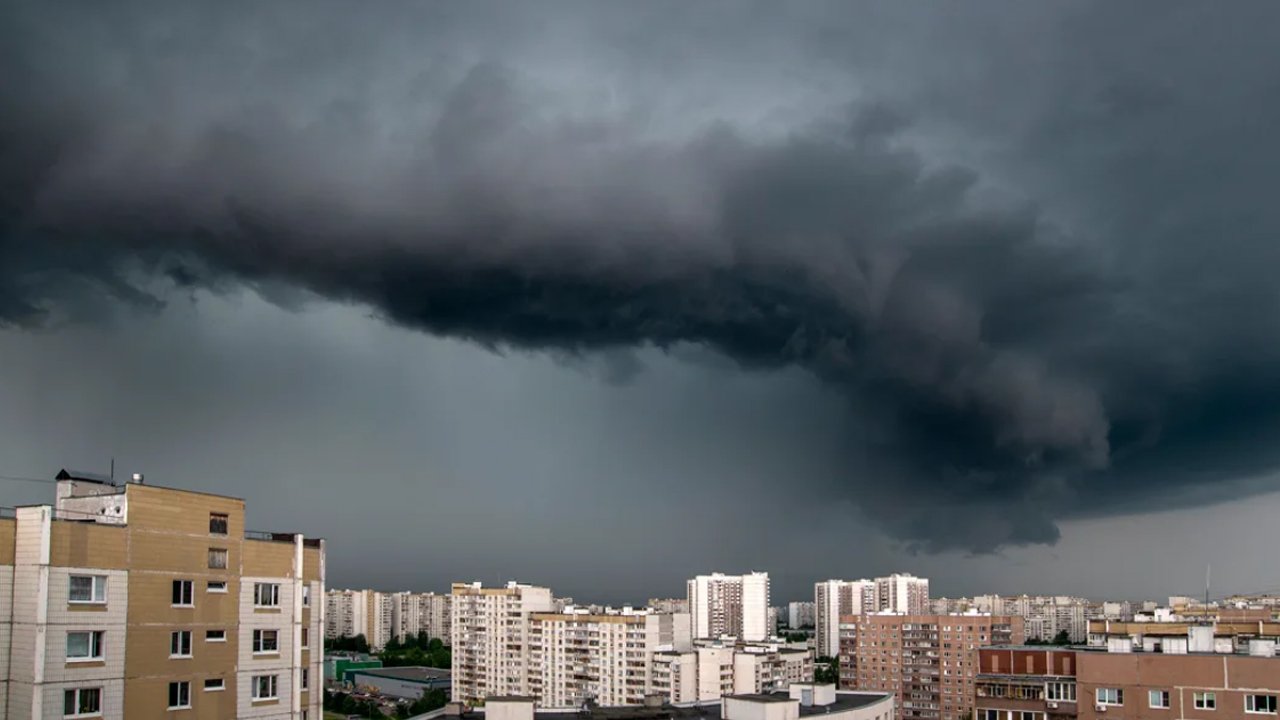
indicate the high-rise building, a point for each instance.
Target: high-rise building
{"x":834,"y":599}
{"x":138,"y":601}
{"x":800,"y":614}
{"x":714,"y":669}
{"x":491,"y":638}
{"x":928,"y":661}
{"x":902,"y":593}
{"x":346,"y":613}
{"x":730,"y":606}
{"x":381,"y":616}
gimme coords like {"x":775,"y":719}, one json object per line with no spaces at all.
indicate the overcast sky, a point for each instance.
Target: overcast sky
{"x":602,"y":296}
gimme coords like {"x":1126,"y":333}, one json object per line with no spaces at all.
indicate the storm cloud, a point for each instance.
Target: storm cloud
{"x":1032,"y":248}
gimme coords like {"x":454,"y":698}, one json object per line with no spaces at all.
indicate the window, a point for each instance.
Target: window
{"x":1110,"y":696}
{"x":218,"y":558}
{"x":991,"y":714}
{"x":217,"y":523}
{"x":213,"y":684}
{"x":87,"y":589}
{"x":182,"y":593}
{"x":1260,"y":704}
{"x":1061,"y":691}
{"x":306,"y":677}
{"x":266,"y":594}
{"x":82,"y":702}
{"x":266,"y":641}
{"x":1158,"y":698}
{"x":306,"y":638}
{"x":306,"y":596}
{"x":179,"y":695}
{"x":180,"y":644}
{"x":216,"y":586}
{"x":84,"y":645}
{"x":1206,"y":701}
{"x":215,"y":635}
{"x":264,"y":687}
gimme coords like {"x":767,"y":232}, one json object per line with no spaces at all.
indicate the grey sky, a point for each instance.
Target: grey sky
{"x":655,"y":289}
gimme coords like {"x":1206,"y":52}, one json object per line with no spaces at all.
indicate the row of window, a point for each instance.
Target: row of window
{"x":85,"y":645}
{"x":93,"y":589}
{"x":87,"y":702}
{"x":1159,"y":699}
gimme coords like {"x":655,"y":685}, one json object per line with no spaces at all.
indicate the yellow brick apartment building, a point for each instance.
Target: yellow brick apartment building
{"x":137,"y":601}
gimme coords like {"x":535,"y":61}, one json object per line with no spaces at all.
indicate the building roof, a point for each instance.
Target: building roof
{"x":412,"y":673}
{"x":844,"y":701}
{"x":68,"y":474}
{"x":708,"y":711}
{"x":761,"y":697}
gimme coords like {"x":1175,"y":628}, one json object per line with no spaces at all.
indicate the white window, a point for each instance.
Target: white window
{"x":306,"y":596}
{"x":182,"y":596}
{"x":213,"y":684}
{"x":264,"y":687}
{"x":215,"y":635}
{"x":216,"y":586}
{"x":1158,"y":699}
{"x":180,"y":644}
{"x":87,"y":589}
{"x":1060,"y":691}
{"x":82,"y":703}
{"x":1110,"y":696}
{"x":266,"y":641}
{"x":86,"y":645}
{"x":306,"y":676}
{"x":179,"y":695}
{"x":266,"y":594}
{"x":1206,"y":701}
{"x":1265,"y":704}
{"x":218,"y":558}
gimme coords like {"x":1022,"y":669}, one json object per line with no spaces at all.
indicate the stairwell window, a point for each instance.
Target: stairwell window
{"x":82,"y":703}
{"x":180,"y":644}
{"x":217,"y":558}
{"x":182,"y":593}
{"x":217,"y":523}
{"x":266,"y":595}
{"x":87,"y":589}
{"x":1260,"y":704}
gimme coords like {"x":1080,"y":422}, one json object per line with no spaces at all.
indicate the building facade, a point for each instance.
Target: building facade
{"x":1025,"y":683}
{"x":730,"y":606}
{"x":929,"y":662}
{"x":834,"y":599}
{"x":491,"y":629}
{"x":902,"y":593}
{"x":137,"y":601}
{"x":801,"y":614}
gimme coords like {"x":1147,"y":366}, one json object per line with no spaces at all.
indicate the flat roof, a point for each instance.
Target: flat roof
{"x":761,"y":697}
{"x":844,"y":701}
{"x":708,"y":711}
{"x":413,"y":673}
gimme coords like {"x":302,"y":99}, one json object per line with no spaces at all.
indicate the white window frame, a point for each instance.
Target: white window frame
{"x":222,"y":684}
{"x":97,"y":590}
{"x":306,"y":595}
{"x":180,"y":684}
{"x":1249,"y":703}
{"x":97,"y":639}
{"x":1116,"y":693}
{"x":1205,"y":701}
{"x":175,"y":643}
{"x":1060,"y":691}
{"x":189,"y":593}
{"x":76,"y":703}
{"x":269,"y":591}
{"x":217,"y":639}
{"x":259,"y":641}
{"x":1158,"y":699}
{"x":216,"y":586}
{"x":273,"y":683}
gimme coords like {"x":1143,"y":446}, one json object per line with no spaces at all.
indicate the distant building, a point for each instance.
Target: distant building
{"x":670,"y":605}
{"x":928,"y":662}
{"x":491,"y":638}
{"x":404,"y":683}
{"x":714,"y":669}
{"x":800,"y":615}
{"x":802,"y":701}
{"x":138,"y":601}
{"x":730,"y":606}
{"x":903,"y":593}
{"x":834,"y":599}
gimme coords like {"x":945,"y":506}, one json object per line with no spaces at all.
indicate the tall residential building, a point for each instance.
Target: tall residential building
{"x":800,"y":614}
{"x":903,"y":593}
{"x":381,"y":616}
{"x":730,"y":606}
{"x":834,"y":599}
{"x":490,"y":629}
{"x":714,"y":669}
{"x":578,"y":656}
{"x":138,"y":601}
{"x":670,"y":605}
{"x":346,"y":613}
{"x":928,"y":661}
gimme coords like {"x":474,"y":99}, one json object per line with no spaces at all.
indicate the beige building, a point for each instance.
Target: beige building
{"x":490,"y":630}
{"x":138,"y":601}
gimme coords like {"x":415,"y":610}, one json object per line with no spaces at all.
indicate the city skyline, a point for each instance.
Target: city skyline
{"x":606,"y":297}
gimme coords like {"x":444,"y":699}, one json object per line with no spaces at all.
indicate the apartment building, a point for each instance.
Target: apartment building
{"x":138,"y":601}
{"x":381,"y":616}
{"x":730,"y":606}
{"x":604,"y":657}
{"x":902,"y":593}
{"x":801,"y":614}
{"x":928,"y":662}
{"x":714,"y":669}
{"x":1025,"y":683}
{"x":669,"y":605}
{"x":346,"y":613}
{"x":834,"y":599}
{"x":490,"y":631}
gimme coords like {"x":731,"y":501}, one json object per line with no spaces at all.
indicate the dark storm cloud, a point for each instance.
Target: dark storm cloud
{"x":1102,"y":333}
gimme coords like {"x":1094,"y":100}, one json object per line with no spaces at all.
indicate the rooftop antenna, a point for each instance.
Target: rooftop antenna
{"x":1207,"y":567}
{"x":113,"y":469}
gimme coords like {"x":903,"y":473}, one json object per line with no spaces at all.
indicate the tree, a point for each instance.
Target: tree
{"x":1062,"y":638}
{"x":826,"y":670}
